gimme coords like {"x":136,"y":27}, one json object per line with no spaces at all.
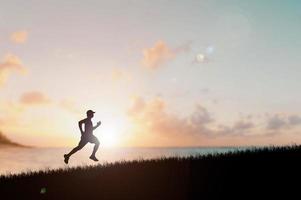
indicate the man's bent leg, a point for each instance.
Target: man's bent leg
{"x":74,"y":150}
{"x":80,"y":145}
{"x":96,"y":142}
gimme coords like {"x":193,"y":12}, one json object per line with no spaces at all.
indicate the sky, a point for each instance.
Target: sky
{"x":157,"y":73}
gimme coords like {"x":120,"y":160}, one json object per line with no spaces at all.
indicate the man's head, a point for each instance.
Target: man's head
{"x":90,"y":113}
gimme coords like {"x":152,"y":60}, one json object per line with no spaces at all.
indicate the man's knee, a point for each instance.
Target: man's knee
{"x":95,"y":141}
{"x":79,"y":147}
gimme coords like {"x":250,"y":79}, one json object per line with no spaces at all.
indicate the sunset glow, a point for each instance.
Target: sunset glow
{"x":156,"y":74}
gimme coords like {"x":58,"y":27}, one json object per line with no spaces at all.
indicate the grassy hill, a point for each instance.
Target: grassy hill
{"x":272,"y":172}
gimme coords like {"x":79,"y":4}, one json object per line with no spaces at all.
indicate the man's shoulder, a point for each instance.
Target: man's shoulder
{"x":87,"y":120}
{"x":84,"y":120}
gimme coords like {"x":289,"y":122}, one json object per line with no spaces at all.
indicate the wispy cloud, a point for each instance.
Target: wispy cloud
{"x":10,"y":63}
{"x":239,"y":128}
{"x":158,"y":55}
{"x":152,"y":120}
{"x":279,"y":122}
{"x":294,"y":120}
{"x":138,"y":105}
{"x":276,"y":122}
{"x":34,"y":98}
{"x":19,"y":37}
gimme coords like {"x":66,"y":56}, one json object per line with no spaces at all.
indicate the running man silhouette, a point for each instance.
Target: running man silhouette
{"x":87,"y":136}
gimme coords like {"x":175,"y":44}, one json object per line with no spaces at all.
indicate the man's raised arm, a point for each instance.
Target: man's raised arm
{"x":97,"y":125}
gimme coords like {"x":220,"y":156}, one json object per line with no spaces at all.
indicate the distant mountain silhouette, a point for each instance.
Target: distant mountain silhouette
{"x":7,"y":142}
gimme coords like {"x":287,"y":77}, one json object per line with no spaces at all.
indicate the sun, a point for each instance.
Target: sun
{"x":110,"y":131}
{"x":109,"y":139}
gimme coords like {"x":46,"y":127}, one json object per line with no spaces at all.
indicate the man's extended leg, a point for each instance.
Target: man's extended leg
{"x":81,"y":144}
{"x":96,"y":142}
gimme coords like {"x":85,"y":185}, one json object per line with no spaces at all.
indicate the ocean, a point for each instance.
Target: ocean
{"x":18,"y":160}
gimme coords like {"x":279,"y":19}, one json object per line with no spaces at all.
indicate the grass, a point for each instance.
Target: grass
{"x":257,"y":173}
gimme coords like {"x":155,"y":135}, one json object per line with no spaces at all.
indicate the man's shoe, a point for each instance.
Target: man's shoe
{"x":93,"y":158}
{"x":66,"y":160}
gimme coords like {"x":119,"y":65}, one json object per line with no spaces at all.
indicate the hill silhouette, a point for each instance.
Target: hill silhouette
{"x":262,"y":173}
{"x":4,"y":141}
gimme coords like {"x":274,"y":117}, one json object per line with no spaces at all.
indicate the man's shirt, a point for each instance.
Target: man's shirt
{"x":88,"y":126}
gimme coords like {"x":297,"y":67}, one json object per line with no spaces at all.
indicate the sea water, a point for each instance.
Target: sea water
{"x":18,"y":160}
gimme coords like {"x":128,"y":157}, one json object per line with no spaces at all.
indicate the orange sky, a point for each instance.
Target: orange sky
{"x":155,"y":74}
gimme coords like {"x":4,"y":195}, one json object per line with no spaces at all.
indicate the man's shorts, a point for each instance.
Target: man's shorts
{"x":88,"y":138}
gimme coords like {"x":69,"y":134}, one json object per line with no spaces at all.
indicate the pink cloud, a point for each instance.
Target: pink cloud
{"x":160,"y":54}
{"x":154,"y":124}
{"x":10,"y":63}
{"x":34,"y":98}
{"x":19,"y":37}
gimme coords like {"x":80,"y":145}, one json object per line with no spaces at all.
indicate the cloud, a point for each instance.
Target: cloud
{"x":241,"y":127}
{"x":238,"y":128}
{"x":152,"y":120}
{"x":158,"y":55}
{"x":138,"y":105}
{"x":19,"y":37}
{"x":294,"y":120}
{"x":153,"y":124}
{"x":9,"y":64}
{"x":151,"y":117}
{"x":34,"y":98}
{"x":201,"y":115}
{"x":279,"y":122}
{"x":276,"y":122}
